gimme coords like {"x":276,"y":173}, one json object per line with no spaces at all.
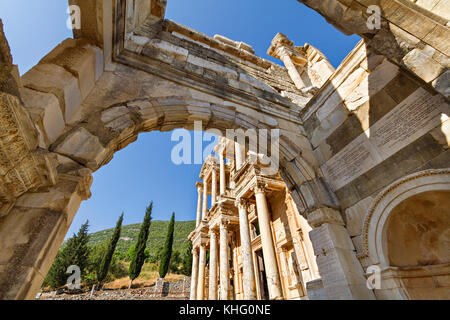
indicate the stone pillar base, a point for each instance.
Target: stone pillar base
{"x":341,"y":272}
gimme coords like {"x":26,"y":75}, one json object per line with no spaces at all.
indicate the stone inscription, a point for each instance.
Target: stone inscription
{"x":408,"y":121}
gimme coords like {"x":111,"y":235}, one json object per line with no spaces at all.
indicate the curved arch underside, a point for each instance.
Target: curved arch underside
{"x":129,"y":70}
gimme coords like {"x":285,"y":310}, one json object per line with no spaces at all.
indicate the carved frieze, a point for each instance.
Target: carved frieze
{"x":23,"y":166}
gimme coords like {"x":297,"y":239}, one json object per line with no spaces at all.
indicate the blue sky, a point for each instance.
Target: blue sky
{"x":144,"y":171}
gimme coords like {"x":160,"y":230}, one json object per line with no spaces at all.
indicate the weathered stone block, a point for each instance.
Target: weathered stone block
{"x":80,"y":145}
{"x":168,"y":47}
{"x":54,"y":79}
{"x":28,"y":246}
{"x":255,"y":83}
{"x":206,"y":64}
{"x":421,"y":62}
{"x":49,"y":110}
{"x":442,"y":84}
{"x":329,"y":236}
{"x":354,"y":216}
{"x":315,"y":290}
{"x":117,"y":119}
{"x":438,"y":38}
{"x":18,"y":283}
{"x":329,"y":124}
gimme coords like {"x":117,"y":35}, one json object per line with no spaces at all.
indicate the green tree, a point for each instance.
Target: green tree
{"x":74,"y":252}
{"x":57,"y":276}
{"x":138,"y":257}
{"x":186,"y":268}
{"x":175,"y":262}
{"x":107,"y":257}
{"x":80,"y":247}
{"x":167,"y":251}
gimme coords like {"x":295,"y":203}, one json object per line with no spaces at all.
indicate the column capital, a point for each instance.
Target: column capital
{"x":282,"y":47}
{"x":214,"y":231}
{"x":199,"y":186}
{"x":260,"y":187}
{"x":225,"y":224}
{"x":324,"y":215}
{"x":242,"y":203}
{"x":282,"y":52}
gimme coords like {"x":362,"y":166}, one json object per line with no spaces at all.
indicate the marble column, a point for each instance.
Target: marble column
{"x":213,"y":186}
{"x":201,"y":273}
{"x":224,"y":263}
{"x":291,"y":68}
{"x":205,"y":198}
{"x":269,"y":255}
{"x":222,"y":174}
{"x":249,"y":284}
{"x":199,"y":203}
{"x":213,"y":265}
{"x":239,"y":151}
{"x":194,"y":275}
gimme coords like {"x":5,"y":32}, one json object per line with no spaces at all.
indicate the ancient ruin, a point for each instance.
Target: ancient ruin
{"x":363,"y":185}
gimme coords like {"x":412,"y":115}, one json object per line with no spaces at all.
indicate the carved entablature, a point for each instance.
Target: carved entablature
{"x":23,"y":167}
{"x":199,"y":186}
{"x":224,"y":213}
{"x":282,"y":45}
{"x":311,"y":64}
{"x":250,"y":177}
{"x":209,"y":165}
{"x":242,"y":203}
{"x":224,"y":145}
{"x":200,"y":234}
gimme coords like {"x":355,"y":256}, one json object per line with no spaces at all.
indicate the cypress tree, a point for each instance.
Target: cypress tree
{"x":80,"y":247}
{"x":139,"y":256}
{"x":74,"y":252}
{"x":186,"y":269}
{"x":56,"y":276}
{"x":106,"y":260}
{"x":167,"y":251}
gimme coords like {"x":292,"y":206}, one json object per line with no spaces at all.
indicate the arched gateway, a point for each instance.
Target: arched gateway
{"x":128,"y":71}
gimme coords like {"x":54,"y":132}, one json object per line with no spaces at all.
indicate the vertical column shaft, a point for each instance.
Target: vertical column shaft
{"x":201,"y":273}
{"x":239,"y":151}
{"x":205,"y":199}
{"x":292,"y":69}
{"x":224,"y":263}
{"x":213,"y":265}
{"x":249,"y":285}
{"x":194,"y":275}
{"x":269,"y":255}
{"x":199,"y":205}
{"x":213,"y":187}
{"x":222,"y":174}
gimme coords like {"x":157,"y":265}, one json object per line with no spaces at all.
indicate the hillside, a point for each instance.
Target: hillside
{"x":157,"y":236}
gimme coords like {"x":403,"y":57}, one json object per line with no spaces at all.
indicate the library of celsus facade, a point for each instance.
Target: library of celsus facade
{"x":363,"y":187}
{"x":252,"y":230}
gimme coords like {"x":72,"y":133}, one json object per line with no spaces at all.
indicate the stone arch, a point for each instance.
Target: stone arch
{"x":111,"y":129}
{"x":126,"y":72}
{"x":377,"y":216}
{"x":106,"y":121}
{"x":382,"y":221}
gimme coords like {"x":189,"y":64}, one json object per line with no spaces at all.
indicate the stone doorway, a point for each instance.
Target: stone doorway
{"x":262,"y":278}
